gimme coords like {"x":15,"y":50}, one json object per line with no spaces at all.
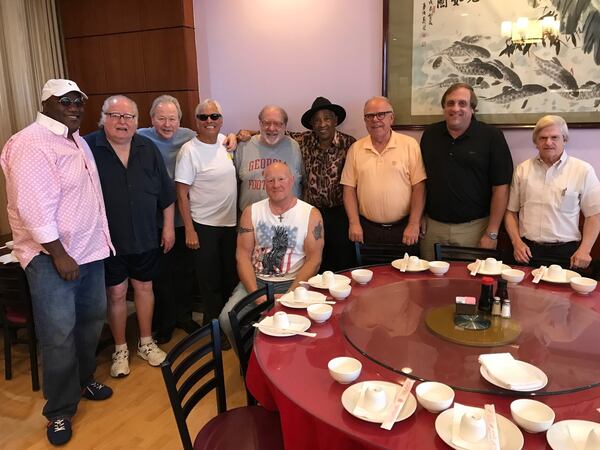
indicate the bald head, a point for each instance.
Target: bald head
{"x":279,"y":182}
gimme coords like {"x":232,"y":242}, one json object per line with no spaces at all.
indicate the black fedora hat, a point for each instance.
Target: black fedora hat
{"x":319,"y":104}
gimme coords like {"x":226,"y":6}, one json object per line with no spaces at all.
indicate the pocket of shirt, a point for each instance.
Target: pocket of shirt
{"x":569,"y":202}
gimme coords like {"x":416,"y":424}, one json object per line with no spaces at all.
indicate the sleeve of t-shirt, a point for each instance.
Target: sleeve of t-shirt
{"x":417,"y":169}
{"x":590,"y":197}
{"x":501,"y":163}
{"x":348,"y":173}
{"x":184,"y":167}
{"x":514,"y":197}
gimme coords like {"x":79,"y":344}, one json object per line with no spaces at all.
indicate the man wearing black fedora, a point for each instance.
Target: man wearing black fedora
{"x":324,"y":151}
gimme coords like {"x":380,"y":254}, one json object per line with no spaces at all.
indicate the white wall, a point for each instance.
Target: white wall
{"x":287,"y":52}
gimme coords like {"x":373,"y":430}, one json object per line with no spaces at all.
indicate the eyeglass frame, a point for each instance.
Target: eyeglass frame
{"x":213,"y":117}
{"x":66,"y":101}
{"x":380,"y":115}
{"x":274,"y":123}
{"x":117,"y":116}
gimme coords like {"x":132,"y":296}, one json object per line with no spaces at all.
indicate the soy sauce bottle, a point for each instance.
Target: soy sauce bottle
{"x":501,"y":290}
{"x":486,"y":298}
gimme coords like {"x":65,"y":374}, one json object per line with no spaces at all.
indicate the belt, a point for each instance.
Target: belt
{"x":386,"y":225}
{"x":549,"y":244}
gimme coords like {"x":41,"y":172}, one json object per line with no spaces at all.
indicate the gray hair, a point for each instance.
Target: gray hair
{"x":380,"y":98}
{"x":208,"y":102}
{"x":112,"y":99}
{"x":548,"y":121}
{"x":277,"y":108}
{"x":165,"y":99}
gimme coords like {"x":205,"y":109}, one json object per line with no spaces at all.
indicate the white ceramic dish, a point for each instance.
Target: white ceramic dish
{"x":531,"y":415}
{"x":340,"y":291}
{"x":8,"y":258}
{"x":435,"y":397}
{"x":482,"y":271}
{"x":319,"y":312}
{"x":317,"y":281}
{"x":297,"y":323}
{"x":288,"y":300}
{"x":344,"y":369}
{"x":439,"y":268}
{"x":509,"y":434}
{"x":567,"y":275}
{"x":536,"y":372}
{"x":423,"y":265}
{"x":350,"y":397}
{"x":513,"y":275}
{"x":562,"y":435}
{"x":362,"y":276}
{"x":583,"y":285}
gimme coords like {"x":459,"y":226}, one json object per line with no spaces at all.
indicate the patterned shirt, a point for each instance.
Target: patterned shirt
{"x":323,"y":168}
{"x":54,"y":193}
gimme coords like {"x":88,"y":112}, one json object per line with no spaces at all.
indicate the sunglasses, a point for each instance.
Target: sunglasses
{"x":66,"y":101}
{"x":204,"y":117}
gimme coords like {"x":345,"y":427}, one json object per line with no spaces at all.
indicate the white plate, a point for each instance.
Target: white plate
{"x":535,"y":372}
{"x":350,"y":397}
{"x":317,"y":281}
{"x":568,"y":274}
{"x":558,"y":436}
{"x":510,"y":436}
{"x":297,"y":323}
{"x":313,"y":297}
{"x":482,"y":271}
{"x":8,"y":258}
{"x":423,"y":265}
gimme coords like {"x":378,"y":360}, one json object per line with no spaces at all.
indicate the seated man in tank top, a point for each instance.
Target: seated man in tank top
{"x":280,"y":241}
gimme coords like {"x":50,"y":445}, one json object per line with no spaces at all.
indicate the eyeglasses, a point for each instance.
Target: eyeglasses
{"x":204,"y":117}
{"x":271,"y":123}
{"x":116,"y":116}
{"x":166,"y":119}
{"x":379,"y":115}
{"x":66,"y":101}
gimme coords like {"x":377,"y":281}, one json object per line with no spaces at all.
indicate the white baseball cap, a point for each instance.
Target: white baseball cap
{"x":59,"y":88}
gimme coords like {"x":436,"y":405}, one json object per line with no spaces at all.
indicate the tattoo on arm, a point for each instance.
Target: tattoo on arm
{"x":244,"y":230}
{"x":318,"y":231}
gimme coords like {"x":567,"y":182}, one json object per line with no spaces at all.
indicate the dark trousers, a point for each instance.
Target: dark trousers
{"x":377,"y":233}
{"x":338,"y":253}
{"x":215,"y":267}
{"x":545,"y":254}
{"x":174,"y":286}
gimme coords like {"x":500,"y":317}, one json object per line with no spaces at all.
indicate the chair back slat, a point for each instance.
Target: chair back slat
{"x":371,"y":254}
{"x":464,"y":254}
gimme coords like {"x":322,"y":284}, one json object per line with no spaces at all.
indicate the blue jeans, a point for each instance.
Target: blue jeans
{"x":238,"y":295}
{"x":68,"y":317}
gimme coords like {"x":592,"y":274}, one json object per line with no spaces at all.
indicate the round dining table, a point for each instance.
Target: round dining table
{"x":384,"y":325}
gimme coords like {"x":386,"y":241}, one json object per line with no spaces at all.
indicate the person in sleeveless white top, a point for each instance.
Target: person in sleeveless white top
{"x":280,"y":241}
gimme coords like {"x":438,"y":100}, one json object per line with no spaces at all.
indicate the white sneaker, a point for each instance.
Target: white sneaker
{"x":151,"y":353}
{"x":120,"y":364}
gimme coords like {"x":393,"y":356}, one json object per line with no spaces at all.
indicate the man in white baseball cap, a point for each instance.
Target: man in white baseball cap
{"x":56,"y":213}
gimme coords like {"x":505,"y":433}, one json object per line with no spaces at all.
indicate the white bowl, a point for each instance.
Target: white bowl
{"x":434,"y":397}
{"x":583,"y":285}
{"x":513,"y":275}
{"x":10,"y":245}
{"x":438,"y":267}
{"x":362,"y":276}
{"x":344,"y":369}
{"x":340,"y":291}
{"x":531,"y":415}
{"x":319,"y":312}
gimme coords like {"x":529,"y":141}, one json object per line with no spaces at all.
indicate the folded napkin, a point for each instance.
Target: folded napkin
{"x":509,"y":372}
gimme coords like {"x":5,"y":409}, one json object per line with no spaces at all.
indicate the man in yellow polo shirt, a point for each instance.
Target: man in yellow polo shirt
{"x":384,"y":182}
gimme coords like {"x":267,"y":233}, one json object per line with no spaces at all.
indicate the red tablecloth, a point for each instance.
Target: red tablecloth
{"x":290,"y":375}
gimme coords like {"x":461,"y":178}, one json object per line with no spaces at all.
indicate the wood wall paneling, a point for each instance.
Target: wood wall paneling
{"x":124,"y":62}
{"x":85,"y":64}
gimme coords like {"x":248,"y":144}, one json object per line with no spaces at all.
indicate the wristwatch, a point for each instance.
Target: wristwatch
{"x":493,"y":236}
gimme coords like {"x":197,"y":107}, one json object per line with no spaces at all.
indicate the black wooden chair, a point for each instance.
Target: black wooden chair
{"x":192,"y":369}
{"x":465,"y":254}
{"x":15,"y":315}
{"x":241,"y":317}
{"x":371,"y":254}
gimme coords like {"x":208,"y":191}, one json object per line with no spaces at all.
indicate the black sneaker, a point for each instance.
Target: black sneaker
{"x":59,"y":430}
{"x":96,"y":391}
{"x":189,"y":326}
{"x":163,"y":337}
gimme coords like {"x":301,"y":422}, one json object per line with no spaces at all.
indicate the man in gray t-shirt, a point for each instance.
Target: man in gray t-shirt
{"x":271,"y":145}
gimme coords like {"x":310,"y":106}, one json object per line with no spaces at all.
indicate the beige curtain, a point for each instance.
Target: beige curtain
{"x":30,"y":54}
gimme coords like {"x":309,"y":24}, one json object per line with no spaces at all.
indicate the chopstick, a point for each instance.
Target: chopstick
{"x":284,"y":330}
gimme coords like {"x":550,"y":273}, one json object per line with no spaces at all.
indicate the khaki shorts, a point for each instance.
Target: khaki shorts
{"x":465,"y":234}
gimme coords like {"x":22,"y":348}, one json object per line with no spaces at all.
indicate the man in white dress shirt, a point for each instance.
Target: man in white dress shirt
{"x":547,"y":194}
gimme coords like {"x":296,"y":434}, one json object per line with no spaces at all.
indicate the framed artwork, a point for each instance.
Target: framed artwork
{"x":432,"y":44}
